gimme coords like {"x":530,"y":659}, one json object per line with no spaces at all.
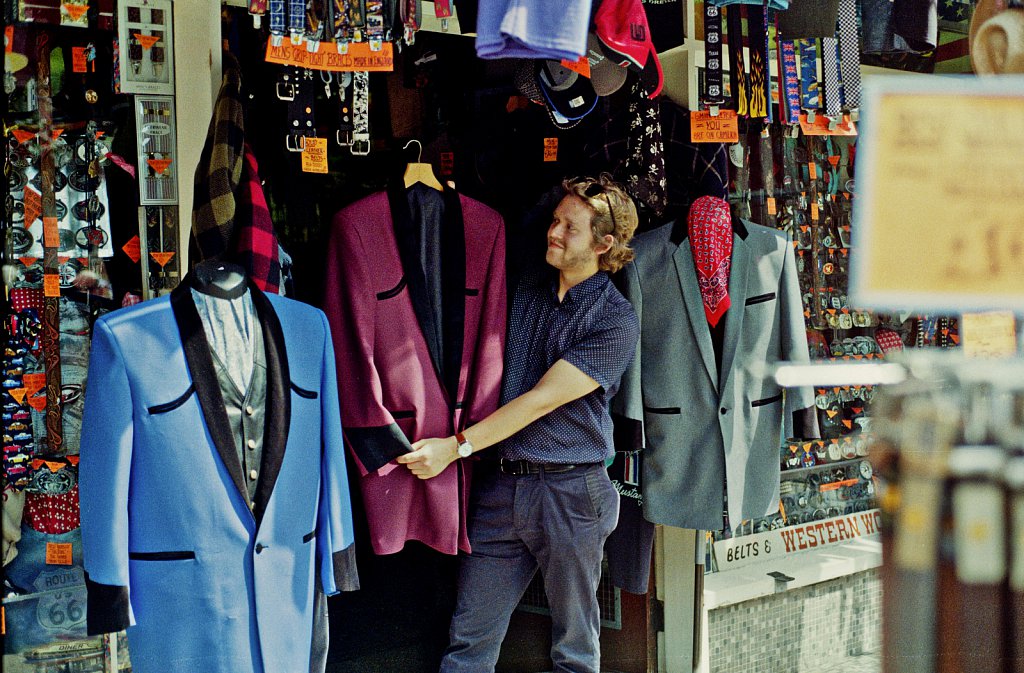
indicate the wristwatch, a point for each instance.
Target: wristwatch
{"x":465,"y":447}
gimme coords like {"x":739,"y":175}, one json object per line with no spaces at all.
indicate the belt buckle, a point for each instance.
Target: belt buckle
{"x":343,"y":138}
{"x":295,"y":142}
{"x":285,"y":91}
{"x":360,"y":144}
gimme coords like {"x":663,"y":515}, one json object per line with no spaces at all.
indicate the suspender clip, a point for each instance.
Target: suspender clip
{"x":257,"y":21}
{"x":855,"y":115}
{"x":833,"y":122}
{"x":444,"y":25}
{"x":376,"y":43}
{"x":296,"y":38}
{"x":275,"y":38}
{"x":342,"y":45}
{"x":360,"y":144}
{"x":713,"y":110}
{"x":812,"y":114}
{"x":312,"y":46}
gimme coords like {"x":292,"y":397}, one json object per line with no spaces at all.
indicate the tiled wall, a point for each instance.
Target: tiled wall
{"x":834,"y":625}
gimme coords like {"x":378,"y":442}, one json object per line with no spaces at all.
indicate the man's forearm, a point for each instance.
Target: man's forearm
{"x":509,"y":419}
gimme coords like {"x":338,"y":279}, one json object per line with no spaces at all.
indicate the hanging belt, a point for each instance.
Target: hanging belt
{"x":357,"y":19}
{"x":760,"y":77}
{"x":375,"y":24}
{"x":360,"y":113}
{"x":277,"y":22}
{"x":316,"y":23}
{"x":810,"y":94}
{"x":411,"y":14}
{"x":301,"y":123}
{"x":830,"y":70}
{"x":713,"y":93}
{"x":789,"y":101}
{"x":340,"y":28}
{"x":346,"y":125}
{"x":296,"y":20}
{"x":849,"y":51}
{"x":257,"y":8}
{"x":737,"y":69}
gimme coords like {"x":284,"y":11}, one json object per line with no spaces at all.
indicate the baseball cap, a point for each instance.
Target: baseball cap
{"x":621,"y":26}
{"x":565,"y":91}
{"x":606,"y":76}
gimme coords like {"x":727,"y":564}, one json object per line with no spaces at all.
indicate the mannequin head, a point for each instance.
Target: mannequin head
{"x":605,"y":211}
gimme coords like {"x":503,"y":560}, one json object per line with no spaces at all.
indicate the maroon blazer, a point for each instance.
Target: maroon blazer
{"x":419,"y":350}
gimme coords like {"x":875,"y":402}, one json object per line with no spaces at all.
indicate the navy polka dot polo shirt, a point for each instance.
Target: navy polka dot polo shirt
{"x":593,"y":328}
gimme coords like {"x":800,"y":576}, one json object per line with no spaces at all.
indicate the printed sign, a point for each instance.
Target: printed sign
{"x":551,"y":149}
{"x":314,"y":155}
{"x":721,"y":128}
{"x":741,"y":551}
{"x":988,"y":335}
{"x":358,"y":58}
{"x":58,"y":553}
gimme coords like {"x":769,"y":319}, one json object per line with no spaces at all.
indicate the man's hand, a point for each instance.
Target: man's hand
{"x":429,"y":457}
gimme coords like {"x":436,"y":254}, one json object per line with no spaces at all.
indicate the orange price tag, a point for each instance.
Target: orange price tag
{"x":162,"y":258}
{"x":160,"y":165}
{"x":37,"y":402}
{"x":51,"y":285}
{"x":18,"y":394}
{"x":9,"y":39}
{"x":812,"y":170}
{"x":33,"y":202}
{"x":34,"y":382}
{"x":551,"y":149}
{"x":147,"y":41}
{"x":58,"y":553}
{"x":72,"y":459}
{"x":133,"y":248}
{"x":22,"y":135}
{"x":814,"y":209}
{"x":314,"y":155}
{"x":582,"y":66}
{"x":834,"y":160}
{"x":722,"y":128}
{"x":51,"y":236}
{"x":79,"y":63}
{"x":771,"y":205}
{"x":53,"y":466}
{"x":28,"y":261}
{"x":76,"y":12}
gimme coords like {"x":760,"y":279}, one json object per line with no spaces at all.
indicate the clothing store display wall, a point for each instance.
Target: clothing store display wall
{"x":711,"y":421}
{"x":205,"y":572}
{"x":415,"y":297}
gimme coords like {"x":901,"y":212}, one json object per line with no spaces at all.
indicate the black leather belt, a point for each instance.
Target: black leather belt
{"x":519,"y":468}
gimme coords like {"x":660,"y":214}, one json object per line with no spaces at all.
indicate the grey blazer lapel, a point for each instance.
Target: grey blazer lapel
{"x":740,"y":265}
{"x":687,"y":273}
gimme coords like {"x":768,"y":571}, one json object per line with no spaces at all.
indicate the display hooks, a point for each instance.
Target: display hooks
{"x":419,"y":151}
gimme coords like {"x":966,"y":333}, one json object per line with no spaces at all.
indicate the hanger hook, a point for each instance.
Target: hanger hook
{"x":419,"y":152}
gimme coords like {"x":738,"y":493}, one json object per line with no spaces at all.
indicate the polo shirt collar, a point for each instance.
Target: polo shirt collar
{"x":584,"y":291}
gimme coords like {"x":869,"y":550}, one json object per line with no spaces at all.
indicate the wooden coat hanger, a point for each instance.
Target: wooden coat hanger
{"x":420,"y":172}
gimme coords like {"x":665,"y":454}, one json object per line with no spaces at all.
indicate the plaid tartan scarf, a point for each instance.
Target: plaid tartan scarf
{"x":220,"y":170}
{"x":256,"y":246}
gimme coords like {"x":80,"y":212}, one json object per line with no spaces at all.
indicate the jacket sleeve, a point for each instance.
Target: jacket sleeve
{"x":489,"y":353}
{"x":351,"y":304}
{"x":104,"y":475}
{"x":801,"y":419}
{"x":335,"y":532}
{"x":627,"y":407}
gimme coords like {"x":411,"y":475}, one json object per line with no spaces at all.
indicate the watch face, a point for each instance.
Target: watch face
{"x":865,"y":469}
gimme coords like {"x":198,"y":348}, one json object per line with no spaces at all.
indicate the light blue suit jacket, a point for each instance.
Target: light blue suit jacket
{"x":209,"y":580}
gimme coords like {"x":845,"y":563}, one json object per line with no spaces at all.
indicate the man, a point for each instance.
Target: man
{"x":548,"y":502}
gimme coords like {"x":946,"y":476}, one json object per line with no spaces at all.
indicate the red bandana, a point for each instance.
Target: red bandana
{"x":710,"y":227}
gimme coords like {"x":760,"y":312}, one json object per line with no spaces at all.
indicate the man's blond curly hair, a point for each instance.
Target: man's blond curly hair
{"x":614,"y":213}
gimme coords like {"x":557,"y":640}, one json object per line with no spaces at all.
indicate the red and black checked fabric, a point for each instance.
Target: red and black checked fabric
{"x":220,"y":170}
{"x":710,"y":228}
{"x":256,"y":247}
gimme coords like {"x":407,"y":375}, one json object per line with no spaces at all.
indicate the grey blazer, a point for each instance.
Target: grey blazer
{"x":701,"y":432}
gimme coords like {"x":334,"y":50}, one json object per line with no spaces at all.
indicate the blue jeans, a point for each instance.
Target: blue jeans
{"x":557,"y":522}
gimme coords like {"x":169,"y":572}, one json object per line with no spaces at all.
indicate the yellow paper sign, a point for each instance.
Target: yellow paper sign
{"x":51,"y":285}
{"x":51,"y":235}
{"x":147,"y":41}
{"x":314,"y":155}
{"x":358,"y":58}
{"x":722,"y":128}
{"x":162,"y":258}
{"x":58,"y":553}
{"x":988,"y":335}
{"x":551,"y":149}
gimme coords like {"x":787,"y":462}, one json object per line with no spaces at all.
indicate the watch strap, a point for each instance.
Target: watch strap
{"x":460,"y":438}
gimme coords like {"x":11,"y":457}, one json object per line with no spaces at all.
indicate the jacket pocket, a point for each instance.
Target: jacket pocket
{"x":393,"y":292}
{"x":767,"y":400}
{"x":161,"y":555}
{"x":398,"y":415}
{"x":173,"y":404}
{"x":302,"y":392}
{"x":308,"y":536}
{"x":760,"y":298}
{"x":662,"y":410}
